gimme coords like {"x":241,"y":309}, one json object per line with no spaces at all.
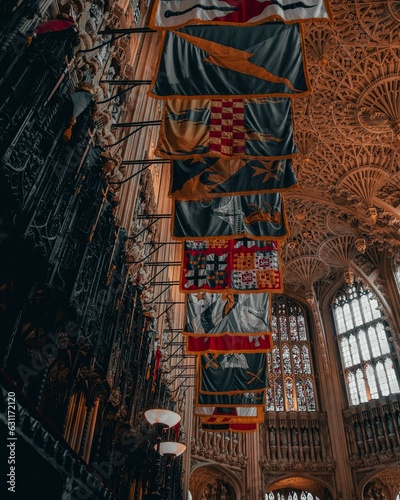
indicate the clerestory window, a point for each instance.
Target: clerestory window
{"x":368,"y":358}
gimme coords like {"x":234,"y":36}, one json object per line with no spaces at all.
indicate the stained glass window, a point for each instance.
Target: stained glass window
{"x":292,"y":384}
{"x":367,"y":357}
{"x":291,"y":495}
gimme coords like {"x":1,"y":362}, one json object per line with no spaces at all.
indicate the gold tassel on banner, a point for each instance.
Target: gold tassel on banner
{"x":68,"y":132}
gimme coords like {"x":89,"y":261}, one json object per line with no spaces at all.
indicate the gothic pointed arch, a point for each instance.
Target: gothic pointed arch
{"x":210,"y":479}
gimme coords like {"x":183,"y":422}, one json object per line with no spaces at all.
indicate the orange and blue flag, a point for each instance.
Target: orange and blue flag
{"x":228,"y":127}
{"x":258,"y":216}
{"x":253,"y":61}
{"x":210,"y":177}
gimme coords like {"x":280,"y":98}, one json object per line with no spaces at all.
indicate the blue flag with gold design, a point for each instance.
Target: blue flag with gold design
{"x":232,"y":373}
{"x":203,"y":61}
{"x":258,"y":216}
{"x":259,"y":128}
{"x":213,"y":177}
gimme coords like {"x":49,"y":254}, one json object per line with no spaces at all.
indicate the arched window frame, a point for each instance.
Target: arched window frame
{"x":367,"y":356}
{"x":397,"y":277}
{"x":292,"y":384}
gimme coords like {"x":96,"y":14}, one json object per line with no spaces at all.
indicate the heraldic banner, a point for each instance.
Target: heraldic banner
{"x":231,"y":127}
{"x":231,"y":416}
{"x":232,"y":373}
{"x":222,"y":344}
{"x":251,"y":61}
{"x":256,"y":216}
{"x":170,"y":14}
{"x":229,"y":400}
{"x":237,"y":265}
{"x":214,"y":177}
{"x":229,"y":427}
{"x":218,"y":414}
{"x":215,"y":314}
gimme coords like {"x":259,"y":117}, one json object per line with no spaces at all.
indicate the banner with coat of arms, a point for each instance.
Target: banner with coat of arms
{"x":237,"y":265}
{"x":230,"y":127}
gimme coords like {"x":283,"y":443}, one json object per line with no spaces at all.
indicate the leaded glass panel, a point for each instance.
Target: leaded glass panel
{"x":310,"y":395}
{"x":305,"y":356}
{"x":291,"y":359}
{"x":296,"y":359}
{"x":354,"y":351}
{"x":294,"y":333}
{"x":364,"y":347}
{"x":287,"y":368}
{"x":292,"y":495}
{"x":366,"y":354}
{"x":274,"y":329}
{"x":346,"y":354}
{"x":373,"y":388}
{"x":279,"y":403}
{"x":301,"y":324}
{"x":289,"y":394}
{"x":382,"y":338}
{"x":301,"y":398}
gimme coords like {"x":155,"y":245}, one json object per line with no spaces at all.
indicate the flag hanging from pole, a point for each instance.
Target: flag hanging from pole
{"x":171,"y":14}
{"x":219,"y":413}
{"x":229,"y":400}
{"x":237,"y":265}
{"x":215,"y":314}
{"x":232,"y":373}
{"x":258,"y":61}
{"x":259,"y":128}
{"x":259,"y":216}
{"x":229,"y":427}
{"x":214,"y":177}
{"x":222,"y":344}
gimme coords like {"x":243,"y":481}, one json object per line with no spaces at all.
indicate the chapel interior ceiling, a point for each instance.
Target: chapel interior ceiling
{"x":348,"y":134}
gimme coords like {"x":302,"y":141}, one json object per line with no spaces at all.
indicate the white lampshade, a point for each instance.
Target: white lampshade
{"x":165,"y":418}
{"x":171,"y":448}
